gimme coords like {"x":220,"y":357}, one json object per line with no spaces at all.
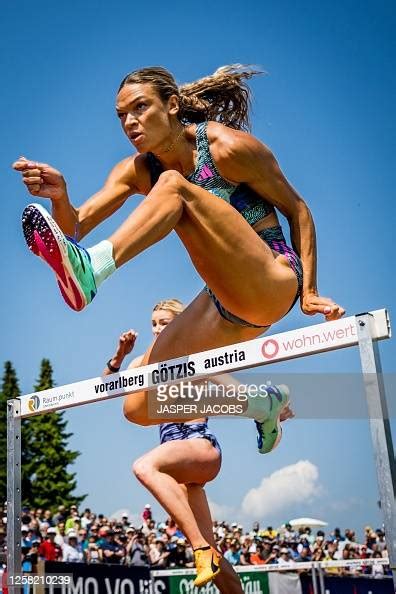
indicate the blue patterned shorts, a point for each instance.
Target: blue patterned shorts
{"x":180,"y":431}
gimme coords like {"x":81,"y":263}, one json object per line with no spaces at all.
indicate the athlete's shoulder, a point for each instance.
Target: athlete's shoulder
{"x":229,"y":143}
{"x":133,"y":171}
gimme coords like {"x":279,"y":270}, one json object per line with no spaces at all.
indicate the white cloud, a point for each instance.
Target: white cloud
{"x":297,"y":483}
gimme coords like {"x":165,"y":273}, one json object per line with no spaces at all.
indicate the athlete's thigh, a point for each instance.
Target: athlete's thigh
{"x":211,"y":226}
{"x":198,"y":328}
{"x":187,"y":461}
{"x":232,"y":259}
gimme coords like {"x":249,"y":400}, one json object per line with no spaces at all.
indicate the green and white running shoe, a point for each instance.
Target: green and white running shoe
{"x":270,"y":430}
{"x":70,"y":262}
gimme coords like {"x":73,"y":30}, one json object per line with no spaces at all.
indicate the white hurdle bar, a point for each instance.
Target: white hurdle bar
{"x":363,"y":330}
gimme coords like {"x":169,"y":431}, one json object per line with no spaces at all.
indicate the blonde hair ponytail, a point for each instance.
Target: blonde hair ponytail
{"x":223,"y":96}
{"x":173,"y":305}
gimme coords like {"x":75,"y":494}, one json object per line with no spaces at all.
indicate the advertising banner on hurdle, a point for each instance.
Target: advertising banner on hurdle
{"x":270,"y":349}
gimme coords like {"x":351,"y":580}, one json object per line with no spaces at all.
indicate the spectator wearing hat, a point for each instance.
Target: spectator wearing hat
{"x":284,"y":557}
{"x":137,"y":550}
{"x":30,"y":559}
{"x":178,"y":555}
{"x":125,"y":521}
{"x":71,"y":550}
{"x":266,"y":547}
{"x":101,"y":535}
{"x":130,"y":531}
{"x":147,"y":514}
{"x":26,"y":548}
{"x":233,"y":554}
{"x":26,"y":540}
{"x":112,"y":551}
{"x":158,"y":555}
{"x":49,"y":550}
{"x":161,"y":529}
{"x":273,"y":556}
{"x":269,"y":533}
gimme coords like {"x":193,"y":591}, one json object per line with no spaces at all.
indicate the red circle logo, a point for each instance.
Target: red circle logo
{"x":270,"y":348}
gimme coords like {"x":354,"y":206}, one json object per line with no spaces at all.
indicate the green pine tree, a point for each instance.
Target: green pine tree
{"x":47,"y":456}
{"x":9,"y":389}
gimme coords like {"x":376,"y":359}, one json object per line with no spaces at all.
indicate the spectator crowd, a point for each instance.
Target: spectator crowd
{"x":69,"y":535}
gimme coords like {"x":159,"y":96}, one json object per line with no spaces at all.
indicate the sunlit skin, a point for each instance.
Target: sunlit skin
{"x":143,"y":119}
{"x":160,"y":318}
{"x":259,"y":286}
{"x":176,"y":472}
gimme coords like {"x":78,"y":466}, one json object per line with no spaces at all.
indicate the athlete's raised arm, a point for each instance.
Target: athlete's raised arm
{"x":45,"y":181}
{"x":243,"y":158}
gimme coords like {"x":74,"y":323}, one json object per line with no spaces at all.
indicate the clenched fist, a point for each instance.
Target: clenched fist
{"x":41,"y":179}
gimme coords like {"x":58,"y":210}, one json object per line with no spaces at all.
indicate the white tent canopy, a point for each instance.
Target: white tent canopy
{"x":303,"y":522}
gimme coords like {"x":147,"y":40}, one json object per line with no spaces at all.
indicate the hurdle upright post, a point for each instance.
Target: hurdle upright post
{"x":381,"y":434}
{"x":14,"y":506}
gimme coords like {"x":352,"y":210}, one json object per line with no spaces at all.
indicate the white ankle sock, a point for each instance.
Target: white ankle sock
{"x":259,"y":407}
{"x":102,"y":260}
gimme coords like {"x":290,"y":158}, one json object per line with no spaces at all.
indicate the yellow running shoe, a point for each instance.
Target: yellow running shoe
{"x":207,"y":563}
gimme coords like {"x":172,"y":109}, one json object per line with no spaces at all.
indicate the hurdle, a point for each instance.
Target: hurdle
{"x":363,"y":330}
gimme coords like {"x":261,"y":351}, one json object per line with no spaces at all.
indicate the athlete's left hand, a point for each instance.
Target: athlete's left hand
{"x":312,"y":304}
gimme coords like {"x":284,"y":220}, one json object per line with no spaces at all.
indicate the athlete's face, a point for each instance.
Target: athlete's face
{"x":160,"y":318}
{"x":145,"y":118}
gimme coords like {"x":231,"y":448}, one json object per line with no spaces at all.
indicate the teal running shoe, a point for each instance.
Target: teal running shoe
{"x":70,"y":262}
{"x":270,"y":430}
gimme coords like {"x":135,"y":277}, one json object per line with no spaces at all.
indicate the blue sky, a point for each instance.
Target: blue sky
{"x":325,"y":109}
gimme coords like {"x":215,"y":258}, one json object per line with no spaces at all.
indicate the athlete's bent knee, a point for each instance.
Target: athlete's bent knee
{"x":143,"y":469}
{"x":171,"y":178}
{"x":133,"y":414}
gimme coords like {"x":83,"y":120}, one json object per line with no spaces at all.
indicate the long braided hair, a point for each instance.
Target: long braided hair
{"x":222,"y":96}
